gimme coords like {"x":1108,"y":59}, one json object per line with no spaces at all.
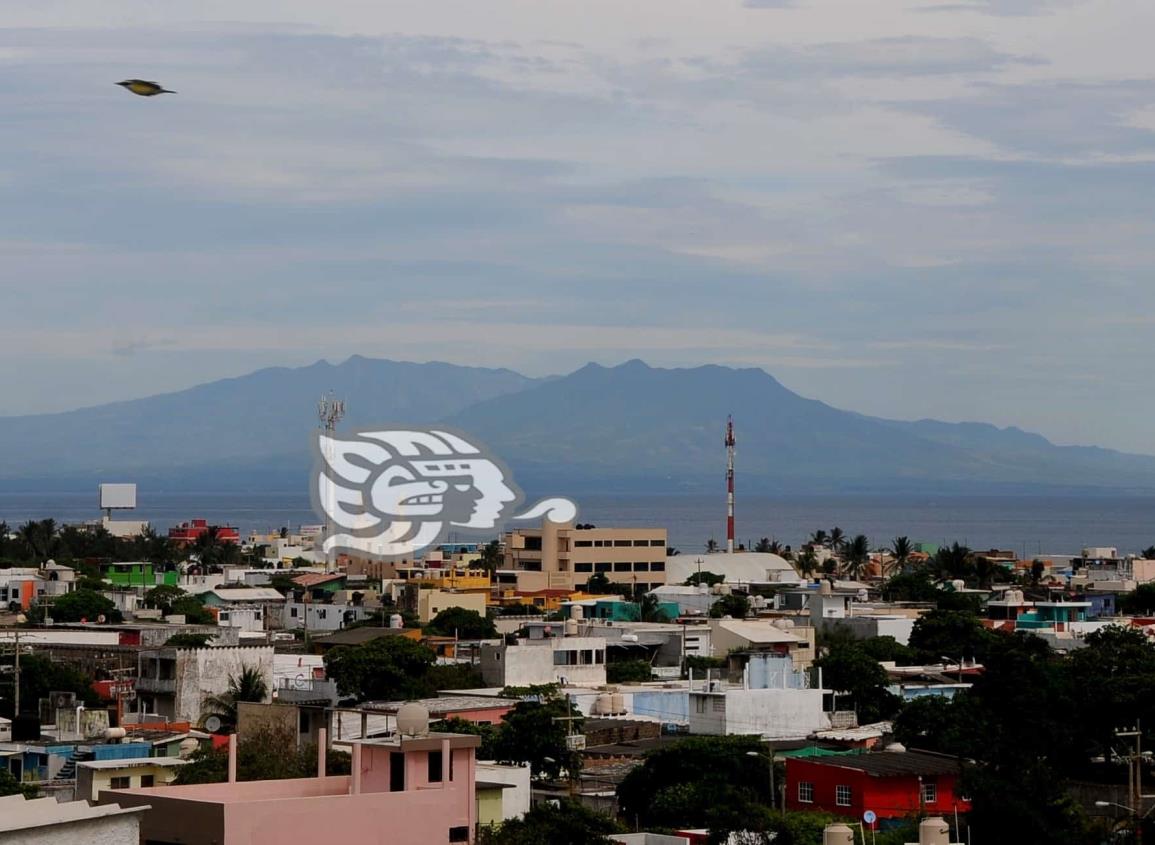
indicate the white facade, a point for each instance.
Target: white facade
{"x":515,"y":801}
{"x":311,"y":616}
{"x":770,"y":713}
{"x":45,"y":821}
{"x":580,"y":661}
{"x":175,"y":682}
{"x":245,"y":618}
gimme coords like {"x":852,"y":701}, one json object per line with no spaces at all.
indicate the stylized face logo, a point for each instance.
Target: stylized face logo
{"x":395,"y":493}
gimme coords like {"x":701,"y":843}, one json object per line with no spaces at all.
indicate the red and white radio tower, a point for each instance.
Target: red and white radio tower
{"x":730,"y":485}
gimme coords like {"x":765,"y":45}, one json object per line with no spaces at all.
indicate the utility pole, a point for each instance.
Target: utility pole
{"x":1135,"y":778}
{"x":730,"y":485}
{"x":330,"y":411}
{"x":16,"y":678}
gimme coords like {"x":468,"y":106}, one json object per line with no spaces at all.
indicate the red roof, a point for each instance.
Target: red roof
{"x":312,"y":579}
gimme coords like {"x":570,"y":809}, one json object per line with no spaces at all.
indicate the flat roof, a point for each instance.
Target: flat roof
{"x":443,"y":704}
{"x":20,"y":813}
{"x":133,"y":762}
{"x":890,"y":763}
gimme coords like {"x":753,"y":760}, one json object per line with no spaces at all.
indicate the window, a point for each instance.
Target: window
{"x":929,"y":792}
{"x":459,"y":834}
{"x":641,"y":566}
{"x":805,"y":792}
{"x":147,"y":781}
{"x":435,"y":764}
{"x":641,"y":542}
{"x":583,"y":567}
{"x":621,"y":543}
{"x":293,"y":612}
{"x":621,"y":567}
{"x":661,"y":543}
{"x":700,"y":701}
{"x":583,"y":544}
{"x":602,"y":567}
{"x":396,"y":772}
{"x":121,"y":783}
{"x":719,"y":705}
{"x":842,"y":795}
{"x":658,"y":566}
{"x":533,"y":544}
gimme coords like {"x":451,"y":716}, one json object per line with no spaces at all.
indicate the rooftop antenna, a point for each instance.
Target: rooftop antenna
{"x":330,"y":411}
{"x":730,"y":485}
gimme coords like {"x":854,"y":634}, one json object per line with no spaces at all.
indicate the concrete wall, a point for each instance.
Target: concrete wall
{"x":112,"y":830}
{"x":432,"y":602}
{"x":205,"y":672}
{"x":772,"y":713}
{"x":515,"y":802}
{"x":91,"y":782}
{"x":524,"y":665}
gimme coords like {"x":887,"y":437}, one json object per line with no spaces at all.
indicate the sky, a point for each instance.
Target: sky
{"x":908,"y":208}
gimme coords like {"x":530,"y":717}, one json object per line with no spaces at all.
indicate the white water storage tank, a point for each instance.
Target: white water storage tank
{"x":933,"y":831}
{"x":571,"y":628}
{"x":617,"y":704}
{"x":604,"y":704}
{"x":395,"y":621}
{"x":837,"y":834}
{"x":577,"y":613}
{"x":412,"y":719}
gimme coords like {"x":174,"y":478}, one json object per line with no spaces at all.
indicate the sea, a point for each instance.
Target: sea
{"x":1028,"y":525}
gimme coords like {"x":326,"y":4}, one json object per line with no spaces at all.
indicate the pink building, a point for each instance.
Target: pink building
{"x":403,"y":791}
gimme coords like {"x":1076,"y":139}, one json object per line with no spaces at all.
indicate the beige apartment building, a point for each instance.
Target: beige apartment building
{"x":560,"y":556}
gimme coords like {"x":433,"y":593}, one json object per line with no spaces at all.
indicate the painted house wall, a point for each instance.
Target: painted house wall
{"x":890,"y":797}
{"x":772,"y":713}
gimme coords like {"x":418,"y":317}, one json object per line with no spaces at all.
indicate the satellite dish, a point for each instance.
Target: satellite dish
{"x":213,"y":724}
{"x":100,"y":619}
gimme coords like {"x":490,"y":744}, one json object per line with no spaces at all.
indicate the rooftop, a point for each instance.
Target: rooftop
{"x":246,"y":594}
{"x":18,"y":813}
{"x":758,"y":632}
{"x":890,"y":763}
{"x":133,"y":762}
{"x":313,"y":579}
{"x":444,"y":704}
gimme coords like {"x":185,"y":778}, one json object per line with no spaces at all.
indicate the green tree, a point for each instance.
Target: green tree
{"x":953,"y":562}
{"x":949,"y":633}
{"x":855,"y":556}
{"x":901,"y":549}
{"x":534,"y":732}
{"x":193,"y":611}
{"x":708,"y":578}
{"x":491,"y":558}
{"x":163,"y":596}
{"x":848,"y":668}
{"x":837,"y":538}
{"x":732,"y":605}
{"x":567,"y":823}
{"x":1148,"y":553}
{"x":461,"y":623}
{"x":819,"y":538}
{"x":10,"y":786}
{"x":650,"y":609}
{"x":38,"y":677}
{"x":387,"y":668}
{"x":807,"y":561}
{"x":598,"y":583}
{"x":268,"y":753}
{"x":249,"y":685}
{"x":717,"y":782}
{"x":629,"y":671}
{"x":910,"y":586}
{"x":488,"y":734}
{"x":1138,"y":602}
{"x":185,"y":640}
{"x":84,"y":605}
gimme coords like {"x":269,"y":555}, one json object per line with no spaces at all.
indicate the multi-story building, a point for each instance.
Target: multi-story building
{"x":561,"y":555}
{"x":550,"y":653}
{"x":174,"y":682}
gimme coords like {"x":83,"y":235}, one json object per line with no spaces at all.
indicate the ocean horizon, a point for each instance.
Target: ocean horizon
{"x":1029,"y":525}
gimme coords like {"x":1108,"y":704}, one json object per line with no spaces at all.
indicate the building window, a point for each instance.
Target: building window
{"x":602,"y":567}
{"x":396,"y":772}
{"x":583,"y":567}
{"x":459,"y":834}
{"x":661,"y":543}
{"x":533,"y":544}
{"x":658,"y":566}
{"x":147,"y":780}
{"x":293,"y":612}
{"x":929,"y":793}
{"x":582,"y":544}
{"x":641,"y":542}
{"x":719,"y":705}
{"x":621,"y":544}
{"x":641,"y":566}
{"x":121,"y":783}
{"x":805,"y":792}
{"x":700,"y":703}
{"x":842,"y":795}
{"x":435,"y":764}
{"x":621,"y":567}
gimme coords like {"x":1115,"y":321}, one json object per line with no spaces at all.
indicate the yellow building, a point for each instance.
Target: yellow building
{"x":432,"y":602}
{"x":93,"y":776}
{"x":562,"y":556}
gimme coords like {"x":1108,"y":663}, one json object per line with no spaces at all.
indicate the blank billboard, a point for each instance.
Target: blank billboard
{"x":117,"y":496}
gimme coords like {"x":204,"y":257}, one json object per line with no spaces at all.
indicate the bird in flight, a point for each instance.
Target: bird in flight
{"x":143,"y":87}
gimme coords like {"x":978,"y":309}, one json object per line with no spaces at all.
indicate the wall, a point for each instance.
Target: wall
{"x":889,"y":797}
{"x":432,"y":602}
{"x":112,"y":830}
{"x":773,"y":713}
{"x":91,"y":782}
{"x":515,"y":802}
{"x":523,"y":665}
{"x":205,"y":671}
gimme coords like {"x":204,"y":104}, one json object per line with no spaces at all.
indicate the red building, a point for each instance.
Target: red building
{"x":894,"y":784}
{"x":187,"y":533}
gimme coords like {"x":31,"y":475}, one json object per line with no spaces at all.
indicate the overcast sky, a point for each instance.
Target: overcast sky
{"x":907,"y":208}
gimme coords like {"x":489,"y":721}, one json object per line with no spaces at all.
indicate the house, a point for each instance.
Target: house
{"x":20,"y":588}
{"x":174,"y":682}
{"x":547,"y":654}
{"x":246,"y":608}
{"x":95,"y":776}
{"x":313,"y":616}
{"x":428,"y":603}
{"x":503,"y":792}
{"x":893,"y":784}
{"x":189,"y":532}
{"x":46,"y":821}
{"x":408,"y":790}
{"x":778,"y":636}
{"x":137,"y":574}
{"x":775,"y":701}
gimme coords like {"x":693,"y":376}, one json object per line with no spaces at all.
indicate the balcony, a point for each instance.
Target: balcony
{"x":156,"y":685}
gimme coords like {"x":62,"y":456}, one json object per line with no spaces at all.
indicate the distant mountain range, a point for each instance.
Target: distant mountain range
{"x":624,"y":428}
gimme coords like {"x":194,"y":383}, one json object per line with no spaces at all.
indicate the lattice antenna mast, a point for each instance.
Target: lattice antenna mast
{"x":730,"y":485}
{"x":330,"y":411}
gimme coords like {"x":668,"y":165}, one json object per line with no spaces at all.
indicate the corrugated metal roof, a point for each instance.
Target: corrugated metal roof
{"x":891,"y":763}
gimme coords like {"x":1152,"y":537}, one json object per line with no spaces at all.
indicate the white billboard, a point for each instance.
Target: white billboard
{"x":117,"y":496}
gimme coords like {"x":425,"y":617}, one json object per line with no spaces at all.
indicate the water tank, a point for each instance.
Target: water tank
{"x":933,"y":831}
{"x":187,"y":747}
{"x":395,"y":621}
{"x":825,"y":589}
{"x":895,"y":747}
{"x":783,"y":624}
{"x":577,"y":613}
{"x":837,"y":834}
{"x":115,"y":733}
{"x":412,"y":719}
{"x":617,"y":704}
{"x":958,"y":584}
{"x":571,"y":628}
{"x":603,"y":706}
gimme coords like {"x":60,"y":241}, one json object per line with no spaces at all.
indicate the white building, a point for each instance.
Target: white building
{"x":312,"y":616}
{"x":174,"y":682}
{"x":541,"y":658}
{"x":737,"y":568}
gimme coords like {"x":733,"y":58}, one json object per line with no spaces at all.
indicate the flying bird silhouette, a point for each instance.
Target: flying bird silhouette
{"x":144,"y":88}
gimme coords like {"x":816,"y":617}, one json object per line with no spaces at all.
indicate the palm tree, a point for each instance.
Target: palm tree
{"x":901,"y":548}
{"x":711,"y":545}
{"x":249,"y":685}
{"x":38,"y":536}
{"x":952,"y":562}
{"x":807,"y":561}
{"x":856,"y":555}
{"x":837,"y":537}
{"x":651,"y":610}
{"x":818,"y":538}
